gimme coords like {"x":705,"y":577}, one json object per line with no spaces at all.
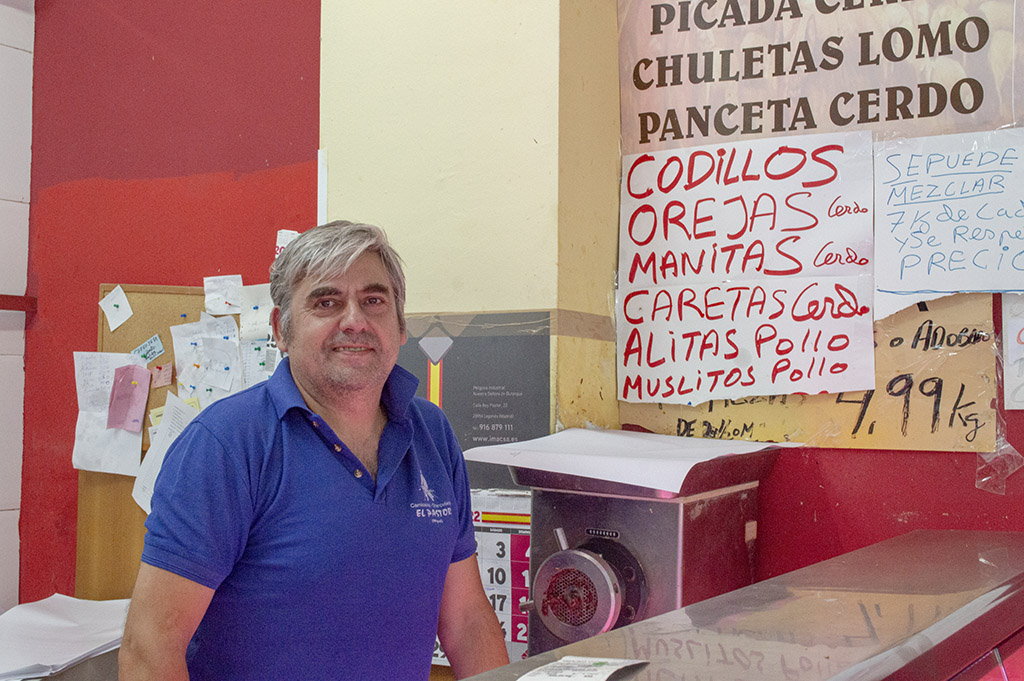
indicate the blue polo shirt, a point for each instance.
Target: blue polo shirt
{"x":319,"y":571}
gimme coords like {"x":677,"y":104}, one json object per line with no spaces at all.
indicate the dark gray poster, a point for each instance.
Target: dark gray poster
{"x":490,"y":373}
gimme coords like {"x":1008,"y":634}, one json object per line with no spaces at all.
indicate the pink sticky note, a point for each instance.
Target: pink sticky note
{"x":162,"y":375}
{"x":128,"y":398}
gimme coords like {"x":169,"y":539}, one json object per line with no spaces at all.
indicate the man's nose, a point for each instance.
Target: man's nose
{"x":352,"y":317}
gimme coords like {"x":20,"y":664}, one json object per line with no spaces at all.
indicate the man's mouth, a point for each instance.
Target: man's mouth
{"x":352,"y":346}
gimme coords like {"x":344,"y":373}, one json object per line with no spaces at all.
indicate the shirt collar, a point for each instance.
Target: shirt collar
{"x":397,"y":395}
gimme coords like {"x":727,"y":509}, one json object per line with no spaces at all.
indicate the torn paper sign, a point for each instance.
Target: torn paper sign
{"x":223,"y":294}
{"x":98,"y":448}
{"x":128,"y":397}
{"x":284,"y":237}
{"x":115,"y":306}
{"x":254,"y":320}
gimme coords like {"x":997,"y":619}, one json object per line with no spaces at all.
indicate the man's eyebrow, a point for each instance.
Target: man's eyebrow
{"x":321,"y":291}
{"x":377,"y":288}
{"x":327,"y":290}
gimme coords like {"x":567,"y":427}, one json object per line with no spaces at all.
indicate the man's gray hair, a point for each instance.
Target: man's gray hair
{"x":327,"y":251}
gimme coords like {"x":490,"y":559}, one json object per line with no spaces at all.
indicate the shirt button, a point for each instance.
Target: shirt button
{"x":358,"y":473}
{"x":337,"y":448}
{"x":315,"y":424}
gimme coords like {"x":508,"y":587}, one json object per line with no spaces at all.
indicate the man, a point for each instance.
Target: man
{"x":318,"y":525}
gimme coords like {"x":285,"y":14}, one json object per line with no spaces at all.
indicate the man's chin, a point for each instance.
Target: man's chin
{"x":351,"y":378}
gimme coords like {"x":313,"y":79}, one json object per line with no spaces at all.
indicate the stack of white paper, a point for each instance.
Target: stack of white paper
{"x":645,"y":459}
{"x":48,"y":636}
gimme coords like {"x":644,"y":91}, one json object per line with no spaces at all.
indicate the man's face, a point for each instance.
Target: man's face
{"x":344,"y":333}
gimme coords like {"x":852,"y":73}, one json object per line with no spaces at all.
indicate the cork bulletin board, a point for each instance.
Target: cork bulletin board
{"x":110,"y":523}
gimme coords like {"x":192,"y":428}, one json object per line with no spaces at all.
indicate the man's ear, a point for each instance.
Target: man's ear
{"x":275,"y":324}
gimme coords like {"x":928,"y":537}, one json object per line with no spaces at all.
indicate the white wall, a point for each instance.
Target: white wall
{"x":17,"y":29}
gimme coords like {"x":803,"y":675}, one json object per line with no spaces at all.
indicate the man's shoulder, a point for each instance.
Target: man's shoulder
{"x":431,"y":430}
{"x":427,"y":412}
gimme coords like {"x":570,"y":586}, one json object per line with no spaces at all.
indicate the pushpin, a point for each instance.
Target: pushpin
{"x":135,"y":382}
{"x":195,"y":365}
{"x":263,"y":364}
{"x":255,"y":307}
{"x":224,"y":337}
{"x":116,"y":305}
{"x":227,"y":368}
{"x":183,"y":315}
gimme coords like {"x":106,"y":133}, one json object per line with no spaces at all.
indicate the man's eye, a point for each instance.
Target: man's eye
{"x":324,"y":304}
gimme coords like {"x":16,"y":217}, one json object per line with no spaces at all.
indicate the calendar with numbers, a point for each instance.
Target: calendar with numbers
{"x":501,"y":520}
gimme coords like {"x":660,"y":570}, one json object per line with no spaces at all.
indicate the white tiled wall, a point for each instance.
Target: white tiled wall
{"x":17,"y":30}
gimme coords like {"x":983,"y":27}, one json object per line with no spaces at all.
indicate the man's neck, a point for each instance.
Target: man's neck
{"x":362,"y":435}
{"x":357,"y":418}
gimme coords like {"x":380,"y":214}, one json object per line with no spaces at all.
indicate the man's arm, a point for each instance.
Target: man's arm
{"x":164,"y":613}
{"x":468,"y":628}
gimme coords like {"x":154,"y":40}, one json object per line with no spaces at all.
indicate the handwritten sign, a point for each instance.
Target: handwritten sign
{"x":950,"y":213}
{"x":1013,"y":350}
{"x":745,"y":269}
{"x":936,"y":389}
{"x":700,"y":72}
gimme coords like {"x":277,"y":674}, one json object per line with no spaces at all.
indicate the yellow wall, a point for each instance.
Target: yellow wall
{"x":483,"y":136}
{"x":440,"y":123}
{"x":588,"y":212}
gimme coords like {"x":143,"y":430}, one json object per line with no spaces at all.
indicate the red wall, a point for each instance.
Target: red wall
{"x":170,"y":142}
{"x":819,"y":503}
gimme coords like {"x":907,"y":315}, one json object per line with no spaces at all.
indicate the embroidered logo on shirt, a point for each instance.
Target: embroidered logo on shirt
{"x":430,"y":509}
{"x":428,"y":493}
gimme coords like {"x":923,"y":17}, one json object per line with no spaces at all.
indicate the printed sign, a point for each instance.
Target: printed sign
{"x":691,"y":73}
